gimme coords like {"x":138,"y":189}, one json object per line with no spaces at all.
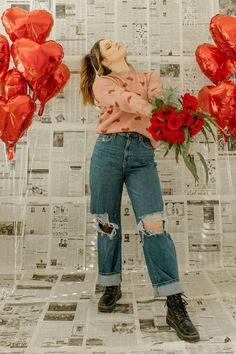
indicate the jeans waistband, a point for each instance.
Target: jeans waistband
{"x":126,"y":134}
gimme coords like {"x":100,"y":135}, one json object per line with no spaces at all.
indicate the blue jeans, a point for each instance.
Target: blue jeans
{"x":128,"y":157}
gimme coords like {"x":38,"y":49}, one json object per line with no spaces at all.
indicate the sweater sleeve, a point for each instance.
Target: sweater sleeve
{"x":155,"y":87}
{"x":108,"y":93}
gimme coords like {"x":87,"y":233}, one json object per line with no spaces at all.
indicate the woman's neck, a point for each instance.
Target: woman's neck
{"x":120,"y":67}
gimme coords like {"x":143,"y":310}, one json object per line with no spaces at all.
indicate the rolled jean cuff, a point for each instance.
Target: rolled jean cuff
{"x":167,"y":289}
{"x":109,"y":279}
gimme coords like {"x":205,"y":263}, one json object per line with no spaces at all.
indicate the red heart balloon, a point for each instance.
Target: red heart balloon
{"x":223,"y":30}
{"x":2,"y":118}
{"x":52,"y":85}
{"x":36,"y":61}
{"x":213,"y":63}
{"x":219,"y":101}
{"x":35,"y":25}
{"x":4,"y":55}
{"x":13,"y":84}
{"x":17,"y":113}
{"x":232,"y":126}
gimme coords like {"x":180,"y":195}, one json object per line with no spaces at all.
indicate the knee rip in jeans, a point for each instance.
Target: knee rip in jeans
{"x":104,"y":226}
{"x":151,"y":224}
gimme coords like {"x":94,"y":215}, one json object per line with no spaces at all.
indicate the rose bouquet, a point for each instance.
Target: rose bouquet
{"x":175,"y":126}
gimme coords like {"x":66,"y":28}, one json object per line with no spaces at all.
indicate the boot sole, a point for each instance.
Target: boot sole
{"x":194,"y":338}
{"x":109,"y":308}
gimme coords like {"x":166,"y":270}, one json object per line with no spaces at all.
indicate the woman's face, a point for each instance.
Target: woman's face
{"x":111,"y":51}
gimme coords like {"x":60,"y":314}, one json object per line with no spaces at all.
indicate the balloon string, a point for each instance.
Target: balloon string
{"x":229,"y":170}
{"x":40,"y":113}
{"x":34,"y":96}
{"x":23,"y":203}
{"x":14,"y":221}
{"x":6,"y":159}
{"x":10,"y":148}
{"x":15,"y":228}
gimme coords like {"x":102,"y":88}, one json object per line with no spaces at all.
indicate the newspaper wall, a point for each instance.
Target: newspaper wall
{"x":48,"y":251}
{"x":44,"y":193}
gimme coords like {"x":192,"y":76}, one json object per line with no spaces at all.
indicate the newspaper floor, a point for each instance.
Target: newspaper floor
{"x":57,"y":313}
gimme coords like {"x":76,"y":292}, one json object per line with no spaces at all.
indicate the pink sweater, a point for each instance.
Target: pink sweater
{"x":123,"y":99}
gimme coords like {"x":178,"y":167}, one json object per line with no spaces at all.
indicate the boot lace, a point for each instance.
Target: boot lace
{"x":110,"y":289}
{"x":178,"y":305}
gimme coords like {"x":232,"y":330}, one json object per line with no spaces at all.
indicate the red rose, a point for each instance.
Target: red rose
{"x":157,"y":123}
{"x":175,"y":120}
{"x":164,"y":111}
{"x":158,"y":113}
{"x":177,"y":137}
{"x":156,"y":135}
{"x":196,"y":127}
{"x":190,"y":103}
{"x":166,"y":133}
{"x":188,"y":119}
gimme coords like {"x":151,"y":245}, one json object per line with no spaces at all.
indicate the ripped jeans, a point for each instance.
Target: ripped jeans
{"x":128,"y":157}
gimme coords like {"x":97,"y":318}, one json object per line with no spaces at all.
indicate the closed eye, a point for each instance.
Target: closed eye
{"x":108,"y":45}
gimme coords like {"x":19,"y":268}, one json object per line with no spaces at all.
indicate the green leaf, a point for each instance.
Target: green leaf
{"x":206,"y":138}
{"x":205,"y":135}
{"x":216,"y":125}
{"x":177,"y":152}
{"x":193,"y":163}
{"x":168,"y":149}
{"x":179,"y":100}
{"x":212,"y":120}
{"x":166,"y":152}
{"x":158,"y":102}
{"x":204,"y":165}
{"x":208,"y":127}
{"x":190,"y":164}
{"x":187,"y":140}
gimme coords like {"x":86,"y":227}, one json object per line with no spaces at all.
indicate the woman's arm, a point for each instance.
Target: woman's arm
{"x":108,"y":94}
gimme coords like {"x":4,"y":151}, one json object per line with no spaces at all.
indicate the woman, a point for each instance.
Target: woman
{"x":124,"y":153}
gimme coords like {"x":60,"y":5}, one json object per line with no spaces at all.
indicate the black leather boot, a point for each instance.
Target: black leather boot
{"x":178,"y":318}
{"x":107,"y":302}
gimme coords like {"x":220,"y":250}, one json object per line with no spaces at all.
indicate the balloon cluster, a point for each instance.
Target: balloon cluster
{"x":37,"y":64}
{"x":218,"y":63}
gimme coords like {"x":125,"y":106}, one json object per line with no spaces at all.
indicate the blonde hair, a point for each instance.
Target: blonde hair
{"x":90,"y":66}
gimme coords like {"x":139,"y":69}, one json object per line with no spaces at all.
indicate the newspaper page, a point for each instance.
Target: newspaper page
{"x":13,"y":173}
{"x":204,"y":233}
{"x":101,"y":21}
{"x":226,"y":165}
{"x":68,"y":156}
{"x":175,"y":214}
{"x":132,"y":26}
{"x":170,"y":27}
{"x":70,"y":26}
{"x":68,"y":230}
{"x":38,"y":163}
{"x":195,"y":25}
{"x":227,"y":7}
{"x":11,"y":234}
{"x":67,"y":105}
{"x":154,"y":27}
